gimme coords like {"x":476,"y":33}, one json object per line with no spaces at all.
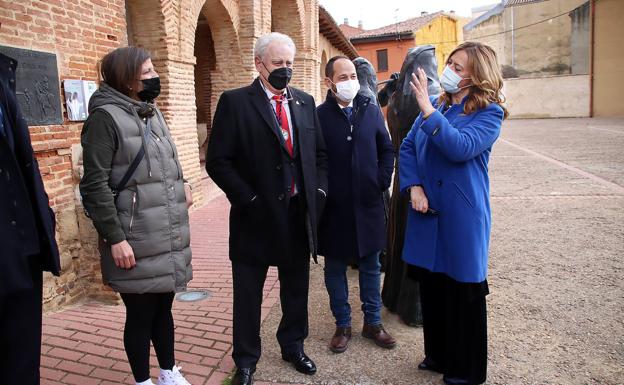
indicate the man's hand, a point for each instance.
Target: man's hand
{"x":419,"y":199}
{"x":123,"y":255}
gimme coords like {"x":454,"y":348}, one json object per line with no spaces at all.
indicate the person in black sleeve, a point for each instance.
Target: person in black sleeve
{"x":27,"y":228}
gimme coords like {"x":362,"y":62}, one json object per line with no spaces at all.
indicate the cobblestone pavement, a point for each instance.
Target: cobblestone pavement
{"x":555,"y":312}
{"x":556,"y":267}
{"x":83,"y":345}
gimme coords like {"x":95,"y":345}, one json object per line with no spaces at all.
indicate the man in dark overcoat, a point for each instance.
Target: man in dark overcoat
{"x":361,"y":160}
{"x":266,"y":152}
{"x":27,"y":243}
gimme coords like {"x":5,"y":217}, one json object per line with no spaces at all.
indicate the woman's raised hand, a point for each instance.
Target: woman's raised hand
{"x":419,"y":87}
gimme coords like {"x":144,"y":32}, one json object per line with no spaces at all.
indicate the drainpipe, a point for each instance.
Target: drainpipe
{"x":592,"y":10}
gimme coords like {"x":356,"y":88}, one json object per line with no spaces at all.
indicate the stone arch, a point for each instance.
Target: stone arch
{"x":168,"y":29}
{"x":150,"y":27}
{"x":223,"y":18}
{"x":209,"y":38}
{"x":287,"y":16}
{"x":324,"y":60}
{"x":205,"y":67}
{"x":146,"y":25}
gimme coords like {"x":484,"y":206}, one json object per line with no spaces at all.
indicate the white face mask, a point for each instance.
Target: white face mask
{"x":450,"y":81}
{"x":347,"y":90}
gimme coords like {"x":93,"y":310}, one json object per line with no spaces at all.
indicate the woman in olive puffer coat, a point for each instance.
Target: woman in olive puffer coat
{"x":140,"y":213}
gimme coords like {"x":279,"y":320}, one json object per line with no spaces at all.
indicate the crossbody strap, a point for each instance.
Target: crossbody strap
{"x":135,"y":163}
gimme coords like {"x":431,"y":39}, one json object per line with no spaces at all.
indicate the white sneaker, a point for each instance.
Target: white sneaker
{"x":172,"y":377}
{"x":146,"y":382}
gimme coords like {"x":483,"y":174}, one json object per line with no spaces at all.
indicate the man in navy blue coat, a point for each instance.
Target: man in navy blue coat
{"x":27,"y":241}
{"x":361,"y":160}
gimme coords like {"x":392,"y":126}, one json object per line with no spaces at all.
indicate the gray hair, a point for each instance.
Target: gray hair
{"x":265,"y":40}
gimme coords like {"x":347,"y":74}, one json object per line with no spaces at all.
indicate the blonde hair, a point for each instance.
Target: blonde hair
{"x":486,"y":76}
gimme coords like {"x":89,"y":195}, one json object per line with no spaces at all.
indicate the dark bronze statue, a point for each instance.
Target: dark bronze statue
{"x":401,"y":293}
{"x":367,"y":78}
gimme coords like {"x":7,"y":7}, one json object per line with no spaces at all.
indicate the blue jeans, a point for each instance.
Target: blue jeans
{"x":338,"y":289}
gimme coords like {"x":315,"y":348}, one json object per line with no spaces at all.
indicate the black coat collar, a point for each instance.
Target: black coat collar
{"x":263,"y":105}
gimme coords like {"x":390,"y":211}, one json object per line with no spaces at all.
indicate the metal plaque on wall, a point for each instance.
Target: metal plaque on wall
{"x":37,"y":86}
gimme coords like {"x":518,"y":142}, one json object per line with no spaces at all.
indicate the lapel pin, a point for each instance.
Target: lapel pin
{"x":297,"y":102}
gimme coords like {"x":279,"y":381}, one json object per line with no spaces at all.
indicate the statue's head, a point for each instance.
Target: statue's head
{"x":367,"y":77}
{"x":403,"y":108}
{"x":424,"y":57}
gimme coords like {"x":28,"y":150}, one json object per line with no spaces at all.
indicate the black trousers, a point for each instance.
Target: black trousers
{"x":455,"y":325}
{"x":20,"y":334}
{"x":248,"y":282}
{"x":148,"y":317}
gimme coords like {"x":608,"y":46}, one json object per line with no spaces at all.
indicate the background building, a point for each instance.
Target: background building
{"x":559,"y":57}
{"x":200,"y":48}
{"x":544,"y":37}
{"x":351,"y":31}
{"x":386,"y":47}
{"x":607,"y":56}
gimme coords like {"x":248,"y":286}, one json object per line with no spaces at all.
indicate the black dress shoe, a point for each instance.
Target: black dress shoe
{"x":243,"y":376}
{"x":429,"y":364}
{"x":301,"y":362}
{"x":455,"y":381}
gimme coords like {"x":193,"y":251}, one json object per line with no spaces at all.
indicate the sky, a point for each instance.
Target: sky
{"x":373,"y":15}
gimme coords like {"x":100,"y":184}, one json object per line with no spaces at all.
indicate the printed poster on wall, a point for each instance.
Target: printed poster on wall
{"x":77,"y":96}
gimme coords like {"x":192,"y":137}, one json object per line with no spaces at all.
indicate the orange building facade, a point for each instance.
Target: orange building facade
{"x":396,"y":52}
{"x":386,"y":47}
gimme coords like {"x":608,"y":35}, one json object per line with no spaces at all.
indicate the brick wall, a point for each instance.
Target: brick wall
{"x":81,"y":32}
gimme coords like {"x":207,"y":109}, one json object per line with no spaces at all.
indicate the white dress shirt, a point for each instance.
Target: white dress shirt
{"x":290,"y":125}
{"x":284,"y":105}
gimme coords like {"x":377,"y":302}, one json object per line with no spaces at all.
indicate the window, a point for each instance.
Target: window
{"x":382,"y":60}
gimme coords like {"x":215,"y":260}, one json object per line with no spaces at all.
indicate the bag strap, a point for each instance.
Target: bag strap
{"x":135,"y":163}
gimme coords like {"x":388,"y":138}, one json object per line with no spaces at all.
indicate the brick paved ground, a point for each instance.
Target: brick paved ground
{"x":555,"y":278}
{"x":83,"y":345}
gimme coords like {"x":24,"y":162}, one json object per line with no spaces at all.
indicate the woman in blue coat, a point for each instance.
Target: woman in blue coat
{"x":444,"y":168}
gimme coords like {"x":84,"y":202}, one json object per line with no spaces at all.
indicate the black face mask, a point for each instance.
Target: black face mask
{"x":151,"y":89}
{"x":279,"y":77}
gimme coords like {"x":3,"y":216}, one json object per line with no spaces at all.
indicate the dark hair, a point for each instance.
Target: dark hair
{"x":329,"y":67}
{"x":121,"y":67}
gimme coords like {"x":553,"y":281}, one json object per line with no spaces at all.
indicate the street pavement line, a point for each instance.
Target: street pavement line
{"x":559,"y":163}
{"x":546,"y":196}
{"x":606,"y":129}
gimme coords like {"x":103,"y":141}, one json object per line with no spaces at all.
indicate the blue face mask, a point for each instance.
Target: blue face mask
{"x":450,"y":81}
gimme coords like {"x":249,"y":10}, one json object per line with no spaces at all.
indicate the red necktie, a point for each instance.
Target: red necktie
{"x":282,"y":119}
